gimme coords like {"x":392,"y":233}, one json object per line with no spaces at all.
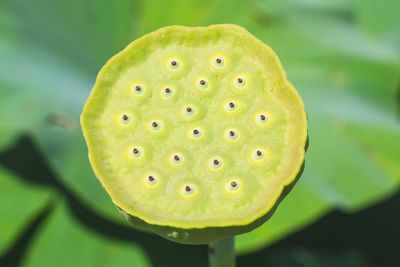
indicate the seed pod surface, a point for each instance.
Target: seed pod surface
{"x":195,"y":132}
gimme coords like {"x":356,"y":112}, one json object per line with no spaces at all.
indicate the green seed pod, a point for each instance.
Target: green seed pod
{"x":195,"y":132}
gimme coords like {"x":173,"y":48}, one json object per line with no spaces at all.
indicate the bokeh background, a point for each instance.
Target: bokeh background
{"x":343,"y":56}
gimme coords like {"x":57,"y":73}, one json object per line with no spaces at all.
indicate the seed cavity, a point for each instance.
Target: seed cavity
{"x":203,"y":83}
{"x":188,"y":189}
{"x":155,"y":125}
{"x":189,"y":111}
{"x":240,"y":82}
{"x":136,"y":152}
{"x":138,"y":89}
{"x":232,"y":135}
{"x":219,"y":62}
{"x":125,"y":119}
{"x":215,"y":163}
{"x":233,"y":185}
{"x":258,"y":154}
{"x":261,"y":119}
{"x":167,"y":92}
{"x":177,"y":158}
{"x":174,"y":64}
{"x":151,"y":179}
{"x":196,"y":133}
{"x":231,"y":106}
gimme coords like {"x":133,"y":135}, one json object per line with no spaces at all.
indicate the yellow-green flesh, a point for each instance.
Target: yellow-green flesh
{"x":194,"y":192}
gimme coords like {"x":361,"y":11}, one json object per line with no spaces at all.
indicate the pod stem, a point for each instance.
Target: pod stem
{"x":222,"y":253}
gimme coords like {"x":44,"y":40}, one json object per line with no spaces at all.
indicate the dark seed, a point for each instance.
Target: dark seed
{"x":240,"y":80}
{"x":196,"y":131}
{"x":218,"y":60}
{"x":138,"y":88}
{"x":216,"y":162}
{"x":173,"y":63}
{"x":231,"y":133}
{"x":125,"y":117}
{"x":151,"y":178}
{"x":202,"y":82}
{"x":167,"y":90}
{"x":135,"y":150}
{"x":188,"y":109}
{"x":176,"y":158}
{"x":188,"y":189}
{"x":232,"y":105}
{"x":233,"y":184}
{"x":259,"y":153}
{"x":154,"y":124}
{"x":262,"y":117}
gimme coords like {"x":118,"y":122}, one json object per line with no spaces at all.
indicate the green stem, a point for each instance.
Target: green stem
{"x":222,"y":253}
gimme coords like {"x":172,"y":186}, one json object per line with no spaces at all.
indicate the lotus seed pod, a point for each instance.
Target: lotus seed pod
{"x":195,"y":132}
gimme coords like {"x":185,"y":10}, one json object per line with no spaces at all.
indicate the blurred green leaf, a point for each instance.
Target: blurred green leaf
{"x":348,"y":83}
{"x":85,"y":33}
{"x":47,"y":102}
{"x":62,"y":241}
{"x":346,"y":70}
{"x":380,"y":18}
{"x":8,"y":138}
{"x":298,"y":209}
{"x":19,"y":204}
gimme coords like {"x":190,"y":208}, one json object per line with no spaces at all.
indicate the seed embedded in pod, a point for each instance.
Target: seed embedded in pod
{"x":196,"y":133}
{"x":232,"y":135}
{"x":240,"y":82}
{"x":188,"y":190}
{"x":155,"y":125}
{"x":231,"y":106}
{"x":174,"y":64}
{"x":138,"y":89}
{"x":215,"y":163}
{"x":258,"y":154}
{"x":152,"y":179}
{"x":261,"y":119}
{"x":233,"y":185}
{"x":189,"y":111}
{"x":176,"y":158}
{"x":203,"y":83}
{"x":219,"y":62}
{"x":125,"y":119}
{"x":136,"y":152}
{"x":167,"y":92}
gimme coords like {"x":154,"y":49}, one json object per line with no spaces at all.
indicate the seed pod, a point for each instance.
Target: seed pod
{"x":215,"y":161}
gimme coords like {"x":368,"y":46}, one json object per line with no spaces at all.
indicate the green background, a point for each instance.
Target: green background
{"x":343,"y":56}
